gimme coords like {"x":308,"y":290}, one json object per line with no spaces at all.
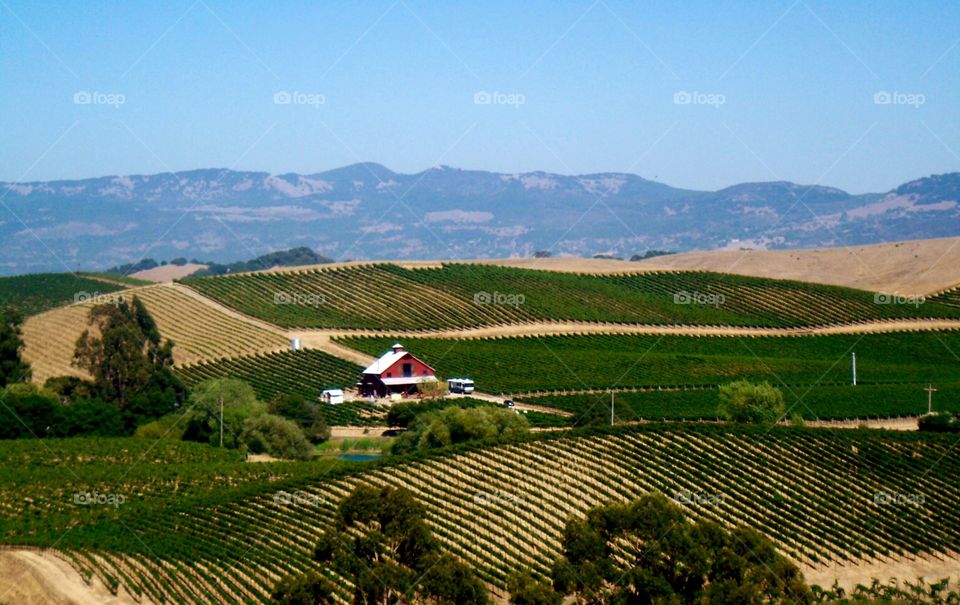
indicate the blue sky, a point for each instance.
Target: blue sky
{"x":694,"y":94}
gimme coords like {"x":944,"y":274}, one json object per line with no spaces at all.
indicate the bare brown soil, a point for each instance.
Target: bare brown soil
{"x":168,"y":273}
{"x":30,"y":577}
{"x":848,"y":576}
{"x":916,"y":267}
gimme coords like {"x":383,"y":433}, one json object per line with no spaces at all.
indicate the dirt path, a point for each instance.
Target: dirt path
{"x":29,"y":577}
{"x":555,"y":328}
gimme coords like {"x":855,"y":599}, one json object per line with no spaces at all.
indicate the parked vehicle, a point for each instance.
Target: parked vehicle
{"x":508,"y":403}
{"x":460,"y":385}
{"x":332,"y":396}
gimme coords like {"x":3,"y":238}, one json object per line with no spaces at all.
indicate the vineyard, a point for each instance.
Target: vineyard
{"x":825,"y":497}
{"x":199,"y":331}
{"x":383,"y":296}
{"x":306,"y":372}
{"x":809,"y":402}
{"x":950,"y":298}
{"x":32,"y":294}
{"x":531,"y":364}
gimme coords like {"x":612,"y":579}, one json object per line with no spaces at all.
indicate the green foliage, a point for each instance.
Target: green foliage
{"x":276,"y":436}
{"x":12,"y":367}
{"x":91,"y":417}
{"x":546,"y":363}
{"x":646,"y":551}
{"x":27,"y":411}
{"x":907,"y":592}
{"x":308,"y":589}
{"x":525,"y":589}
{"x":817,"y":402}
{"x":293,"y":257}
{"x":234,"y":398}
{"x":306,"y":372}
{"x":940,"y":422}
{"x":130,"y":365}
{"x":386,"y":296}
{"x":167,"y":427}
{"x":455,"y":425}
{"x":405,"y":413}
{"x":33,"y":294}
{"x":308,"y":415}
{"x":743,"y":401}
{"x":383,"y":545}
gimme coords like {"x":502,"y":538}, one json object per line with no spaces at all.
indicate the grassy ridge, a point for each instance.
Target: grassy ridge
{"x":811,"y":403}
{"x":32,"y":294}
{"x":520,"y":365}
{"x":821,"y":495}
{"x":463,"y":295}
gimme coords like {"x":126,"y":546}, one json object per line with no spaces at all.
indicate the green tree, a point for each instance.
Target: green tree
{"x":647,"y":551}
{"x":453,"y":425}
{"x":277,"y":436}
{"x":526,"y":590}
{"x":27,"y":411}
{"x":381,"y":542}
{"x":91,"y":417}
{"x":123,"y":352}
{"x":12,"y":367}
{"x":308,"y":589}
{"x":234,"y":397}
{"x":744,"y":401}
{"x":307,"y":414}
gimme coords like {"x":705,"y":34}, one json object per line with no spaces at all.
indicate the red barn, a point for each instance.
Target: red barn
{"x":396,"y":371}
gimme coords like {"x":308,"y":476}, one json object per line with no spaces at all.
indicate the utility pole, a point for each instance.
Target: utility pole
{"x":930,"y":391}
{"x":611,"y":408}
{"x":853,"y":367}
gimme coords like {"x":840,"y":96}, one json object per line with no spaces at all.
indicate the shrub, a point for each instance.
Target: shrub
{"x":940,"y":422}
{"x":307,"y":415}
{"x":744,"y":401}
{"x":277,"y":436}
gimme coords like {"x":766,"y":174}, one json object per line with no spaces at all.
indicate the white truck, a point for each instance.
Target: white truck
{"x":463,"y":386}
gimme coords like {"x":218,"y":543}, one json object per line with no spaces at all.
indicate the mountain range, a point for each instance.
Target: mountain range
{"x":366,"y":211}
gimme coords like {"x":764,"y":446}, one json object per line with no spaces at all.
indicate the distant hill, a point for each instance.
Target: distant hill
{"x":367,"y":211}
{"x":295,"y":257}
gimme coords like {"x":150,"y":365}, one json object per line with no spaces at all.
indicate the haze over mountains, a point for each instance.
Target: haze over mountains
{"x":366,"y":211}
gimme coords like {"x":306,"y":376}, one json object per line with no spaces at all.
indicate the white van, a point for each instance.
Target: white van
{"x":460,"y":385}
{"x":332,"y":396}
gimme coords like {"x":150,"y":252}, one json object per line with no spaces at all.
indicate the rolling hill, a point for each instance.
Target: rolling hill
{"x":367,"y":211}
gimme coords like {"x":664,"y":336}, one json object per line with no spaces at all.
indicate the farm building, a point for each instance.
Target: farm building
{"x":396,"y":371}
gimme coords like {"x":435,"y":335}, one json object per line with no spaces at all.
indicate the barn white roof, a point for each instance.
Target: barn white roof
{"x":399,"y":380}
{"x":386,"y":360}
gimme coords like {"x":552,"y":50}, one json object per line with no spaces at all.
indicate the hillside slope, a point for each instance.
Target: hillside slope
{"x":830,"y":500}
{"x":918,"y":267}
